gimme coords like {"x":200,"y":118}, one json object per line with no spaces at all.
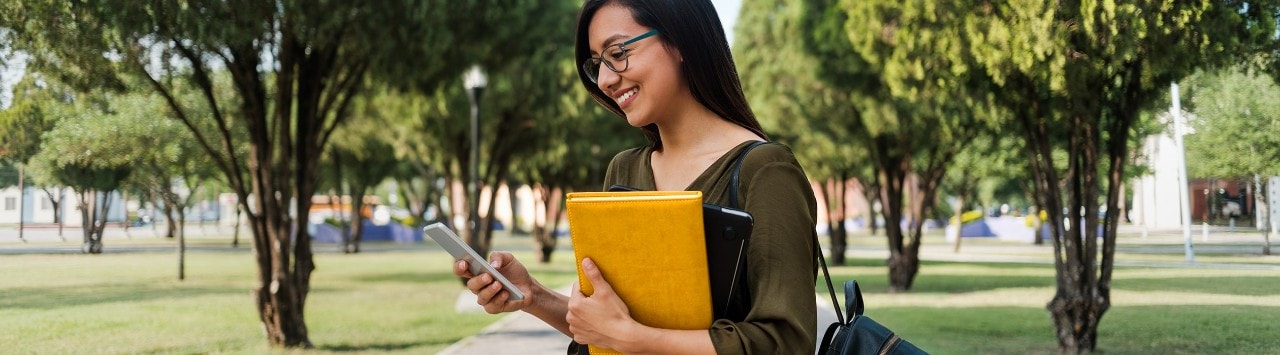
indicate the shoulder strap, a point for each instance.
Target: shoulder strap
{"x":733,"y":202}
{"x":852,"y":298}
{"x":831,"y":290}
{"x":737,"y":166}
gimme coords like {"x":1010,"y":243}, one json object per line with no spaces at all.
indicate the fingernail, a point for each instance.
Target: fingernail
{"x":587,"y":264}
{"x":496,"y":263}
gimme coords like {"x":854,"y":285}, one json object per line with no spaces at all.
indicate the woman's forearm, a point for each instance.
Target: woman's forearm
{"x":550,"y":306}
{"x":648,"y":340}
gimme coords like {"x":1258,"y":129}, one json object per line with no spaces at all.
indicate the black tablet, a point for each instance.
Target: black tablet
{"x":727,"y":231}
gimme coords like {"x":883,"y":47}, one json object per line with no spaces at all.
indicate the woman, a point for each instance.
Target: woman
{"x":665,"y":66}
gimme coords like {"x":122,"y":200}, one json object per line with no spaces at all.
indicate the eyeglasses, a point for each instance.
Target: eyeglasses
{"x":616,"y":57}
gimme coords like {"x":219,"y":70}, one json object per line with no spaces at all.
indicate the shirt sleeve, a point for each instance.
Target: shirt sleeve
{"x":781,"y":258}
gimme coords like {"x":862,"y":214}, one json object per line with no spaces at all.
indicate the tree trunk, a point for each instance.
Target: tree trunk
{"x":22,"y":202}
{"x":871,"y":191}
{"x":1261,"y":208}
{"x":357,"y":218}
{"x":516,"y":227}
{"x":544,"y":232}
{"x":902,"y":264}
{"x":87,"y":215}
{"x":100,"y":223}
{"x":171,"y":215}
{"x":959,"y":212}
{"x":235,"y":237}
{"x":182,"y":246}
{"x":903,"y":268}
{"x":1075,"y":317}
{"x":834,"y":194}
{"x":58,"y":215}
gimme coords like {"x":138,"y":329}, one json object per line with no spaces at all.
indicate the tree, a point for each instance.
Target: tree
{"x":985,"y":160}
{"x":906,"y":69}
{"x":366,"y":158}
{"x":294,"y":68}
{"x":526,"y":94}
{"x":1076,"y":77}
{"x":89,"y":153}
{"x":169,"y":166}
{"x":1237,"y":128}
{"x":781,"y":83}
{"x":35,"y":108}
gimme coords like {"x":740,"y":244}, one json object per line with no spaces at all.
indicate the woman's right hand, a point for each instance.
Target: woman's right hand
{"x":489,"y":292}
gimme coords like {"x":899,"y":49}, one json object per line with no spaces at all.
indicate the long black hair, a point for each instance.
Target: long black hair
{"x":693,"y":28}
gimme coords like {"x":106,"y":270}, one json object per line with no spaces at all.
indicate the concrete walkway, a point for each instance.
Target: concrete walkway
{"x":521,"y":333}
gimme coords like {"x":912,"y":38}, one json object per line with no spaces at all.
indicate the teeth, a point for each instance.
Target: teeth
{"x":627,"y":95}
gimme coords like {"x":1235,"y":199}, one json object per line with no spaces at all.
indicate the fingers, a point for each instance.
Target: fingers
{"x":499,"y":259}
{"x":462,"y":269}
{"x":497,"y":302}
{"x":598,"y":284}
{"x":479,"y":283}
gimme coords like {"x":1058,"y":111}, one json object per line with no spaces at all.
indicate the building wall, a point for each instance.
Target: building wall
{"x":1155,"y":200}
{"x":38,"y":208}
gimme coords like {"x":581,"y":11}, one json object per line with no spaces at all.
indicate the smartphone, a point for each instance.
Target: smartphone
{"x":461,"y":251}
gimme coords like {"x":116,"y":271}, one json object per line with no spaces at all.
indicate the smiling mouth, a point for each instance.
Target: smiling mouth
{"x":628,"y":94}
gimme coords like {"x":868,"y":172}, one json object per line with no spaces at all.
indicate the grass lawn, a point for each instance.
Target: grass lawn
{"x":999,"y":308}
{"x":397,"y":301}
{"x":401,"y":299}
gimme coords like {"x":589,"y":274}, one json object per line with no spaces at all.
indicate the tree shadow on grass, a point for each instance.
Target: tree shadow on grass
{"x":45,"y":298}
{"x":957,"y":277}
{"x":872,"y":276}
{"x":390,"y":346}
{"x":445,"y":276}
{"x":409,"y":277}
{"x":1122,"y":330}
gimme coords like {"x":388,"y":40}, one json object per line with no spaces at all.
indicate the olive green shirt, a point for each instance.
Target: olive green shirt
{"x":781,"y":255}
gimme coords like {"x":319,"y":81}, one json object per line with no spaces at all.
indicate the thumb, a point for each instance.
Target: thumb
{"x":595,"y":276}
{"x":497,"y":259}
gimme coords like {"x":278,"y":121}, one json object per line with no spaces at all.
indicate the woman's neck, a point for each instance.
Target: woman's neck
{"x":700,"y":131}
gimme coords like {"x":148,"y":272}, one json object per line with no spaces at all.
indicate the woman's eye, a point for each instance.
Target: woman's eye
{"x":617,"y":54}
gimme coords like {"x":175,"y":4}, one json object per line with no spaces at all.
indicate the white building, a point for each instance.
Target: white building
{"x":1156,"y":203}
{"x":37,"y":208}
{"x":1155,"y":195}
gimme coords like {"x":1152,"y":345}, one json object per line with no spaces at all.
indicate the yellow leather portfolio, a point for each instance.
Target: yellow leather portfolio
{"x":650,"y":247}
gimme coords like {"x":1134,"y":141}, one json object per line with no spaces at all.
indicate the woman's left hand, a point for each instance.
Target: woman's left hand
{"x":602,"y":319}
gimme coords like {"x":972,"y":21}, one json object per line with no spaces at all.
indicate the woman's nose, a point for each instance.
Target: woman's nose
{"x":606,"y":79}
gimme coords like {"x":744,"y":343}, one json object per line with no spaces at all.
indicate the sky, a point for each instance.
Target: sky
{"x":728,"y":11}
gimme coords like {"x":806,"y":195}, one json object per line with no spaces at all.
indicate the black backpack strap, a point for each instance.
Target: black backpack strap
{"x":737,"y":167}
{"x":852,"y":298}
{"x":831,"y":290}
{"x":733,"y":202}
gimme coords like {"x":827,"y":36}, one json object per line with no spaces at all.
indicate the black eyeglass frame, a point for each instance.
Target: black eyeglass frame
{"x":591,"y":67}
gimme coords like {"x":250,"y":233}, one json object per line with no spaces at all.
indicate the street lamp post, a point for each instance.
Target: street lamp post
{"x":474,"y":80}
{"x":1183,"y":184}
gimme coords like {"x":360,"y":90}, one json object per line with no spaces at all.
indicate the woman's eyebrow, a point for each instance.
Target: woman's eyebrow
{"x":609,"y":41}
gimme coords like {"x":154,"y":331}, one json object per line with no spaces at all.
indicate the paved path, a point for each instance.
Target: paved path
{"x":521,"y":333}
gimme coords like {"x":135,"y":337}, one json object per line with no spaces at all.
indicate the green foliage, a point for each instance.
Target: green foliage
{"x":37,"y":105}
{"x":1236,"y":125}
{"x":781,"y":81}
{"x":8,"y":174}
{"x":93,"y":150}
{"x":294,"y":68}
